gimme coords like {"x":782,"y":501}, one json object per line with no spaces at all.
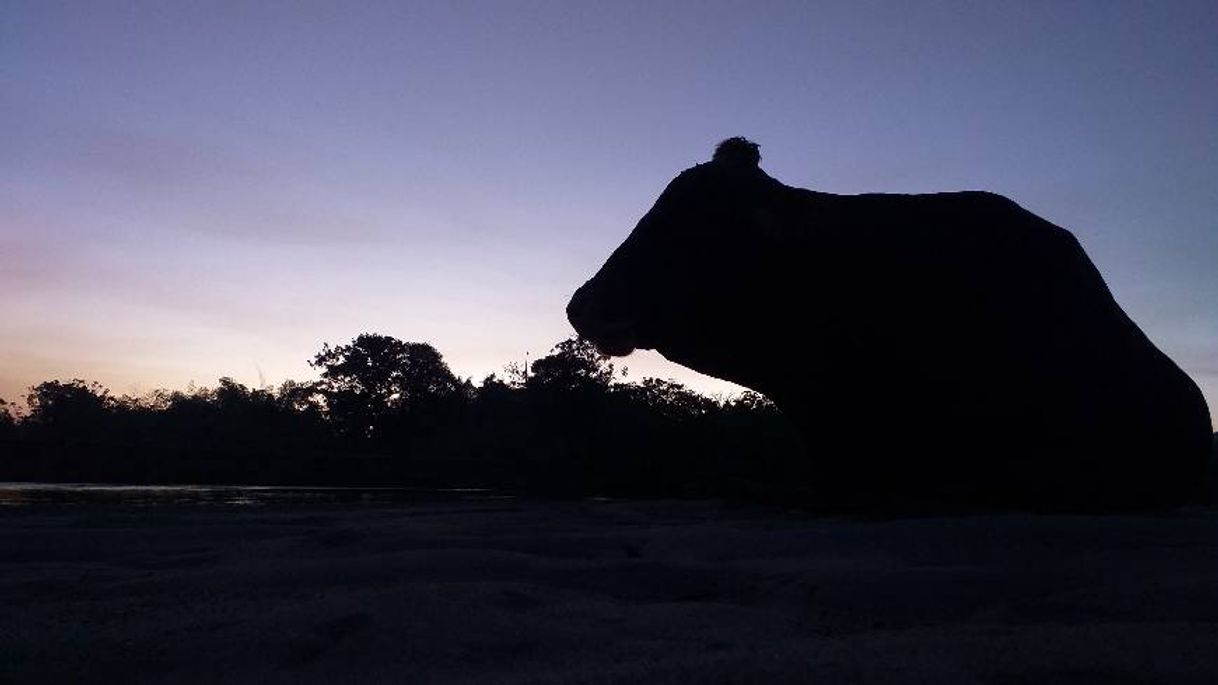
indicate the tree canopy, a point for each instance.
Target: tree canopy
{"x":376,"y":376}
{"x":74,"y":409}
{"x":388,"y":411}
{"x":573,"y":365}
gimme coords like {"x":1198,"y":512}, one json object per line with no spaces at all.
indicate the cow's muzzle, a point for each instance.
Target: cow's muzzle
{"x":616,"y":337}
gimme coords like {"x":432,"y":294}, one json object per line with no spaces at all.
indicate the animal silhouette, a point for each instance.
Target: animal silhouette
{"x":943,"y":349}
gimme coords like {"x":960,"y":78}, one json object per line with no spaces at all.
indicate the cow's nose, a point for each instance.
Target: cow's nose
{"x":577,"y":308}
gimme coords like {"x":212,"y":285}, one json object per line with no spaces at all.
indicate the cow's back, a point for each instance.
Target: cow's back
{"x":964,"y":343}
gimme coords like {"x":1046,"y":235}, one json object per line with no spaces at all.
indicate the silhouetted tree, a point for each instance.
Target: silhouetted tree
{"x":500,"y":423}
{"x":8,"y":424}
{"x":301,"y":398}
{"x":666,"y":398}
{"x":73,"y":410}
{"x":187,"y":417}
{"x":750,"y":401}
{"x":133,"y":419}
{"x":573,"y":365}
{"x":377,"y":376}
{"x":567,"y":426}
{"x":244,"y":418}
{"x":492,"y":384}
{"x":567,"y":393}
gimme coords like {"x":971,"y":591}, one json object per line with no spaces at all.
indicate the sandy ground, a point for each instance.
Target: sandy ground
{"x":525,"y":592}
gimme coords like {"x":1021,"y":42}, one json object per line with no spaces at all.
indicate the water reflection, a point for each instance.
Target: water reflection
{"x":29,"y":494}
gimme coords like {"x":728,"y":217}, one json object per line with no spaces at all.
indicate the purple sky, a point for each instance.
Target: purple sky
{"x":197,"y":189}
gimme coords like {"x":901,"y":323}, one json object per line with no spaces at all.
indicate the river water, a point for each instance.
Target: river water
{"x":32,"y":494}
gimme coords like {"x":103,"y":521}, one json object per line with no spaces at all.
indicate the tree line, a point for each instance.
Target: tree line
{"x":387,"y":411}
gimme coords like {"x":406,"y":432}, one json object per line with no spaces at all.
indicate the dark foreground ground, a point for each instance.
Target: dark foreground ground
{"x":524,"y":592}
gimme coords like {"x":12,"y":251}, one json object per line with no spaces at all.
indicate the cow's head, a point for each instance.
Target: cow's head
{"x":681,"y":281}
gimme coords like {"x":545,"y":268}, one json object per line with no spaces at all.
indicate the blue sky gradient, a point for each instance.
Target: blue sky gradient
{"x":198,"y":189}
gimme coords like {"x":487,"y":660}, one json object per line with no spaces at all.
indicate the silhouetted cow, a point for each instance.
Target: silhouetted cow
{"x":949,"y":348}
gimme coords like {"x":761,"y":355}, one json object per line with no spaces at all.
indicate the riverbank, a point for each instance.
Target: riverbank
{"x":600,"y":592}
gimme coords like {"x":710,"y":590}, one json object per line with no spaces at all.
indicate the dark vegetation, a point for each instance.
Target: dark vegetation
{"x":388,"y":412}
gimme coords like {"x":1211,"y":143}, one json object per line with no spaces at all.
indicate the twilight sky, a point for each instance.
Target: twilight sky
{"x":197,"y":189}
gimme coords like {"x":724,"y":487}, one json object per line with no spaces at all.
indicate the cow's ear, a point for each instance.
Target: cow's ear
{"x":737,"y":152}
